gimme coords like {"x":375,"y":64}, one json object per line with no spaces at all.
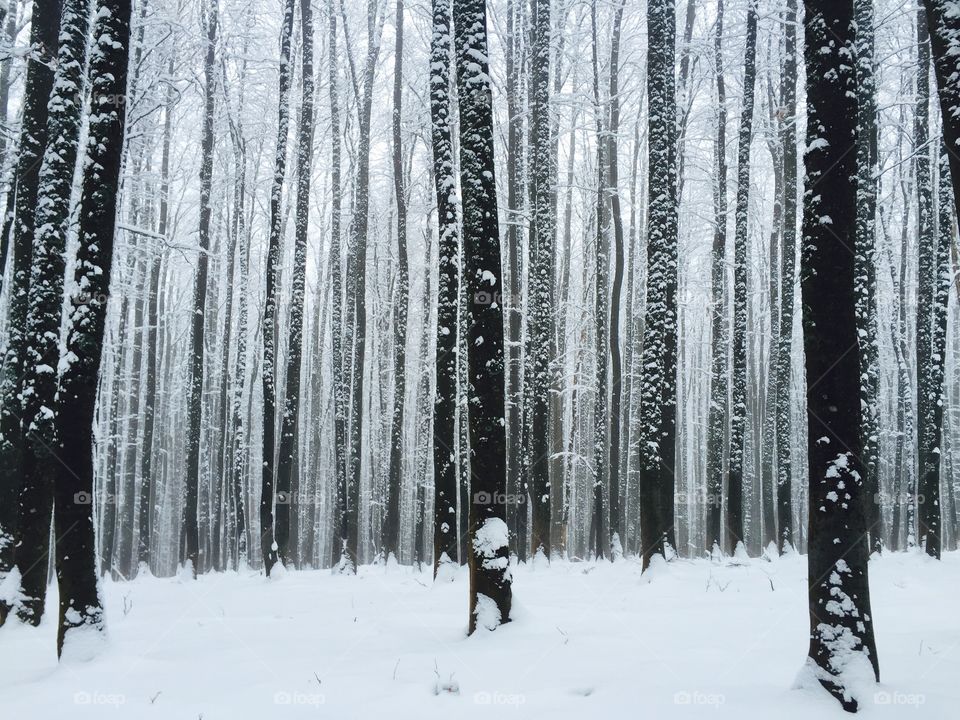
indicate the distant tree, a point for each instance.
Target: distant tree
{"x":191,"y":549}
{"x":841,"y":622}
{"x":290,"y":419}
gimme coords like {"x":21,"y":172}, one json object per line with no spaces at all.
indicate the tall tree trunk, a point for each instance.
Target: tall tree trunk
{"x":616,"y":371}
{"x":658,"y":432}
{"x":513,"y":303}
{"x":866,"y":270}
{"x":445,"y":402}
{"x":26,"y":507}
{"x":540,"y":307}
{"x":340,"y":558}
{"x":944,"y":29}
{"x":717,"y":414}
{"x":600,"y":304}
{"x":290,"y":421}
{"x":81,"y":609}
{"x":930,"y":342}
{"x":357,"y":286}
{"x":842,"y":645}
{"x":147,"y":484}
{"x":191,"y":552}
{"x":738,"y":402}
{"x":268,"y":543}
{"x":391,"y":526}
{"x":788,"y":254}
{"x":490,"y":592}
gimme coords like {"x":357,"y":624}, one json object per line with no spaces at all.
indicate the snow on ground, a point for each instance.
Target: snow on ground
{"x":693,"y":639}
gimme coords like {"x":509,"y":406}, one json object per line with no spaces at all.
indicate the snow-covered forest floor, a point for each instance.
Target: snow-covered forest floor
{"x":692,"y":639}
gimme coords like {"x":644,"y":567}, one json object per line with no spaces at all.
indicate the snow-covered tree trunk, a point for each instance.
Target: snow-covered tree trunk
{"x":390,"y":540}
{"x":191,"y":550}
{"x":928,"y":353}
{"x":616,"y":364}
{"x":290,"y":420}
{"x":738,"y":380}
{"x":788,"y":254}
{"x":25,"y":509}
{"x":598,"y":535}
{"x":81,"y":609}
{"x":147,"y":471}
{"x":658,"y":410}
{"x":357,"y":285}
{"x":866,"y":272}
{"x":943,"y":19}
{"x":717,"y":414}
{"x":842,"y":652}
{"x":540,"y":306}
{"x":268,"y":544}
{"x":515,"y":399}
{"x":490,"y":579}
{"x":444,"y":410}
{"x":340,"y":558}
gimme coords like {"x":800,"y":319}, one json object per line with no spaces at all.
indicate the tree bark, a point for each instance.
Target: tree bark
{"x":490,"y":580}
{"x":81,"y":608}
{"x":842,"y":645}
{"x":658,"y":433}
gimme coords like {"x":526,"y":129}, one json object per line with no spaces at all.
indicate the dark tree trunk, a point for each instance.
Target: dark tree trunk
{"x":45,"y":298}
{"x":444,"y":410}
{"x":290,"y":422}
{"x":490,"y":592}
{"x":191,"y":550}
{"x":390,"y":539}
{"x":738,"y":401}
{"x":81,"y":609}
{"x":866,"y":270}
{"x":341,"y":560}
{"x":930,"y":339}
{"x":357,"y":288}
{"x":717,"y":414}
{"x":600,"y":304}
{"x":788,"y":254}
{"x":145,"y":502}
{"x":268,"y":543}
{"x":540,"y":306}
{"x":841,"y":623}
{"x":658,"y":432}
{"x":616,"y":371}
{"x":944,"y":28}
{"x":513,"y":303}
{"x":25,"y":510}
